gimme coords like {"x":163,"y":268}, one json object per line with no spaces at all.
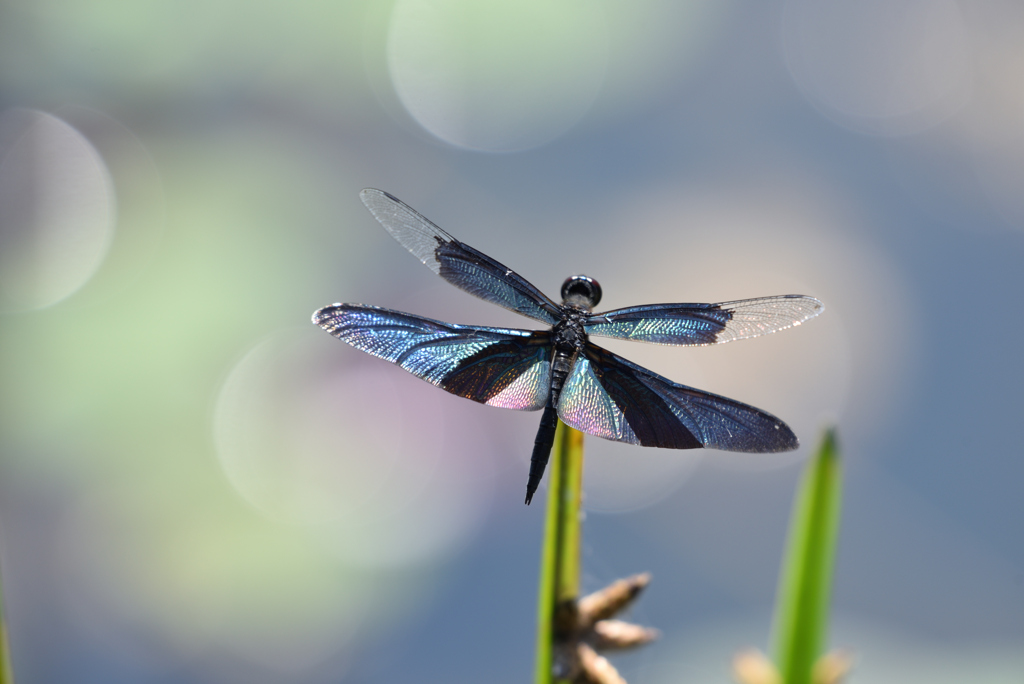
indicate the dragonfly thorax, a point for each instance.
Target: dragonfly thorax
{"x":568,"y":333}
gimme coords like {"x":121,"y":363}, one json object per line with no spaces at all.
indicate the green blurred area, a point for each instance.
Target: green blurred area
{"x":155,"y":46}
{"x":110,"y":393}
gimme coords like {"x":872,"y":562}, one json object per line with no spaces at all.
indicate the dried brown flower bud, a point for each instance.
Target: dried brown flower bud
{"x":832,"y":668}
{"x":613,"y":635}
{"x":606,"y":602}
{"x":753,"y":667}
{"x":596,"y":668}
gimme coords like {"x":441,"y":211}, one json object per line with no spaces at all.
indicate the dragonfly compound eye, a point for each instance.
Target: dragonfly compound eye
{"x":582,"y":289}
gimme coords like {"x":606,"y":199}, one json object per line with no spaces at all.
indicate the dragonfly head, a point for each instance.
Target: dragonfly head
{"x":580,"y":290}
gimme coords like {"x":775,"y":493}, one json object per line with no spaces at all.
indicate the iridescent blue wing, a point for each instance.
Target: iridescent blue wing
{"x":610,"y":397}
{"x":456,"y":262}
{"x":500,"y":367}
{"x":703,"y":324}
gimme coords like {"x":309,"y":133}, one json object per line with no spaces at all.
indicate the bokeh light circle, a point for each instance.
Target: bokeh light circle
{"x":992,"y":127}
{"x":790,"y":235}
{"x":497,"y":76}
{"x":885,"y":67}
{"x":345,"y":451}
{"x":57,"y":210}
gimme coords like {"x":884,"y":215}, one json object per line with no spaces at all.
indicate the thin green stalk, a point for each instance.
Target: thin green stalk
{"x":802,"y":604}
{"x":6,"y":676}
{"x":560,"y":557}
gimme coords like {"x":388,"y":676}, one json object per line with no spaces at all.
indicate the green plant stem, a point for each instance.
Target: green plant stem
{"x":560,"y":557}
{"x":6,"y":676}
{"x":802,"y":603}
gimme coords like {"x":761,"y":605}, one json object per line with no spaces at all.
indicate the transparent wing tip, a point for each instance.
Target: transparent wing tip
{"x":321,"y":314}
{"x":372,"y":195}
{"x":816,"y":306}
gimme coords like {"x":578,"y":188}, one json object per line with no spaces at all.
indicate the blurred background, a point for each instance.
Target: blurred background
{"x":198,"y":485}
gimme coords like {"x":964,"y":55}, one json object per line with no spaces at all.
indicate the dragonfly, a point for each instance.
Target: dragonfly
{"x":559,"y":370}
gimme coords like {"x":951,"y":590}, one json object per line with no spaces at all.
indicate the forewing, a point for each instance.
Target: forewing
{"x":703,"y":324}
{"x":456,"y":262}
{"x":608,"y":396}
{"x":501,"y":367}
